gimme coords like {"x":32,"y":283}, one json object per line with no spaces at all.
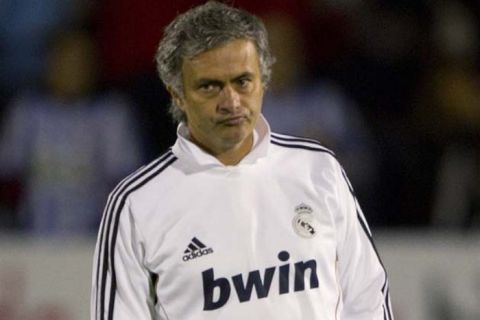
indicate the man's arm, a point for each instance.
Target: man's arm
{"x":363,"y":279}
{"x":121,"y":285}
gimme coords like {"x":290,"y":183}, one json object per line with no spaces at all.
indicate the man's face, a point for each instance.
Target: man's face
{"x":222,"y":96}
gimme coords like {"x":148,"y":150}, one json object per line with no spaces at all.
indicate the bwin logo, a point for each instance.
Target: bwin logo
{"x":254,"y":280}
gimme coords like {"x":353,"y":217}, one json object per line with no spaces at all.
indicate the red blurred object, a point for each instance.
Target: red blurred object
{"x":128,"y":31}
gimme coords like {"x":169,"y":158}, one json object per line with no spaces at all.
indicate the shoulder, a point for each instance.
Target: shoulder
{"x":140,"y":182}
{"x":132,"y":193}
{"x":296,"y":144}
{"x":302,"y":153}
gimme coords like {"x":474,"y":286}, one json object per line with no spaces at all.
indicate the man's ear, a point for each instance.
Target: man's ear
{"x":176,"y":97}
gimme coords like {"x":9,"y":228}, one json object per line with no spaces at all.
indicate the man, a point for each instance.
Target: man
{"x":234,"y":222}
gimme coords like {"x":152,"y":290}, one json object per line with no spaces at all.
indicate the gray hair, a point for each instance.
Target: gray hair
{"x":203,"y":28}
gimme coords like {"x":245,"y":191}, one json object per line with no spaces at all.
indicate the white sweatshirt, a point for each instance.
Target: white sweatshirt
{"x":278,"y":236}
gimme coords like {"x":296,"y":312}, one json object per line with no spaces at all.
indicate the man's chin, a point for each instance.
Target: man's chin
{"x":235,"y":136}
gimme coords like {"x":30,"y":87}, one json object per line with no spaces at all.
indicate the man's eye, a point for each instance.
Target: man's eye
{"x":244,"y":82}
{"x":208,"y":87}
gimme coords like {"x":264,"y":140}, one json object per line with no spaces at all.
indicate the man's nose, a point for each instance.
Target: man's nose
{"x":229,"y":99}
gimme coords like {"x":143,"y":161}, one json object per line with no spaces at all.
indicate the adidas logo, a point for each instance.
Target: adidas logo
{"x":195,"y":250}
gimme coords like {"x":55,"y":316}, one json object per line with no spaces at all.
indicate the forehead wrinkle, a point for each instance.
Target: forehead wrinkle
{"x":211,"y":64}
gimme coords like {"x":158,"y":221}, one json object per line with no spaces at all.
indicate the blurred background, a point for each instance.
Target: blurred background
{"x":391,"y":86}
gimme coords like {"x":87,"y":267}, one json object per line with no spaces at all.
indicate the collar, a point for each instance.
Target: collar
{"x":186,"y":150}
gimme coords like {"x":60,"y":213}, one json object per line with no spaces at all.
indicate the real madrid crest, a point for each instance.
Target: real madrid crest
{"x":304,"y":222}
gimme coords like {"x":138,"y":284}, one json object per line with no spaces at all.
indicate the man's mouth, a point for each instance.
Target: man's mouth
{"x":233,"y":121}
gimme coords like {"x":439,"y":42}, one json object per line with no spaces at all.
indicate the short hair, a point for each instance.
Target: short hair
{"x":203,"y":28}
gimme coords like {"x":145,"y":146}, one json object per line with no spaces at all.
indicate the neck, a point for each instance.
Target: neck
{"x":231,"y":156}
{"x":234,"y":156}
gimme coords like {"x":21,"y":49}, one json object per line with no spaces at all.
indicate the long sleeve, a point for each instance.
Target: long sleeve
{"x":363,"y":279}
{"x":121,"y":285}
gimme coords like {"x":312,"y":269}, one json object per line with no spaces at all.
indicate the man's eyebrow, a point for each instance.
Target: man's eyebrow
{"x":246,"y":74}
{"x":204,"y":81}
